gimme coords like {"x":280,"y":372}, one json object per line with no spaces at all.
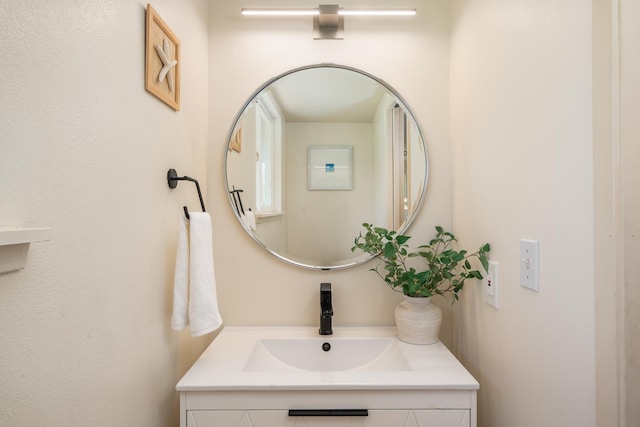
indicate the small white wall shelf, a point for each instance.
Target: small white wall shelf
{"x":14,"y":245}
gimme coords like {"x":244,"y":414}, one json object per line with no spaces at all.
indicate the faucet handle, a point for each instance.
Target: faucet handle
{"x":325,"y":299}
{"x":326,"y":309}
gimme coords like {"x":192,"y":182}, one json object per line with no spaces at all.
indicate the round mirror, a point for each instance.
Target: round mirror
{"x":316,"y":152}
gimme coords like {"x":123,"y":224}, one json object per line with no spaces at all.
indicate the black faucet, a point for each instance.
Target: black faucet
{"x":326,"y":309}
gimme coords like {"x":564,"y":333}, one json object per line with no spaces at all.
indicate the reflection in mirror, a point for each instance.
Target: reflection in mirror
{"x":316,"y":152}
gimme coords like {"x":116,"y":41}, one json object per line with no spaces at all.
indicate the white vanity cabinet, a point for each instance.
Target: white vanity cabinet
{"x":379,"y":408}
{"x":381,"y":418}
{"x":429,"y":388}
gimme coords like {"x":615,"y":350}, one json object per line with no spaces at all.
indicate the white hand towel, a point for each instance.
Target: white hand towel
{"x":249,"y":219}
{"x":180,"y":318}
{"x":202,"y":314}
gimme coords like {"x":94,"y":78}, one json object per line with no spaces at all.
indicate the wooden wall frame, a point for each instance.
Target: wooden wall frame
{"x":162,"y":65}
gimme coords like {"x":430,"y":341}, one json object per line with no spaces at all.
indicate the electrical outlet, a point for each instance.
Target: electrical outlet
{"x":490,"y":282}
{"x":529,"y":264}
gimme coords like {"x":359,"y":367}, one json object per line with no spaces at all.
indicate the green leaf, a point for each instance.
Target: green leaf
{"x":476,"y":274}
{"x":401,"y":239}
{"x":485,"y":262}
{"x":390,"y":250}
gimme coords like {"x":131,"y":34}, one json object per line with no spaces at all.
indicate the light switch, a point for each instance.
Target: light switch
{"x":529,"y":265}
{"x":490,"y":283}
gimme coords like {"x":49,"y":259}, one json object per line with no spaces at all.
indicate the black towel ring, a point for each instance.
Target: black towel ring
{"x":237,"y":200}
{"x":172,"y":180}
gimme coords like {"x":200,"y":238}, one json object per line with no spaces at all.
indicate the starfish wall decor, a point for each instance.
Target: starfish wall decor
{"x":162,"y":60}
{"x":167,"y":63}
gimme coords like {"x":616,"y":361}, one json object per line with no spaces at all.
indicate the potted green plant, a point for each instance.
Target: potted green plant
{"x":439,"y":269}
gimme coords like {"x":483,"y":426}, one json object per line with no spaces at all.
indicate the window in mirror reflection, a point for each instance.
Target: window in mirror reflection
{"x":268,"y":141}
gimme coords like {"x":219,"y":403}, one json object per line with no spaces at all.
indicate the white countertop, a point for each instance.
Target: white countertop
{"x":222,"y":365}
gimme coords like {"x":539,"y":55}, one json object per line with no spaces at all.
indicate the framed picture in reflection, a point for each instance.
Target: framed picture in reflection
{"x":330,"y":167}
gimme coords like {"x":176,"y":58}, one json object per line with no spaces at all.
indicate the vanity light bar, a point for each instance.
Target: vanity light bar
{"x":328,"y":19}
{"x":315,"y":12}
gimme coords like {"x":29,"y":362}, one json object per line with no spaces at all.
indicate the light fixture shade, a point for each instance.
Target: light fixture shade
{"x":280,"y":12}
{"x":377,"y":12}
{"x":314,"y":12}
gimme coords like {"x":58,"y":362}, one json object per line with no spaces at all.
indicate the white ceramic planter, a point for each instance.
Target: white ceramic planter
{"x":418,"y":320}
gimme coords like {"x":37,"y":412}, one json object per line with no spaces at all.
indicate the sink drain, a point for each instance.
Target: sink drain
{"x":326,"y":346}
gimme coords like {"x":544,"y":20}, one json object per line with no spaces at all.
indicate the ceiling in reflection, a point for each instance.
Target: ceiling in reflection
{"x":338,"y":96}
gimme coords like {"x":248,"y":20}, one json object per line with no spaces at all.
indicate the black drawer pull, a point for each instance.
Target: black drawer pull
{"x":328,"y":413}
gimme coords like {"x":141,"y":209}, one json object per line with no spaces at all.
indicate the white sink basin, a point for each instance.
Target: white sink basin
{"x":326,"y":354}
{"x":291,"y":358}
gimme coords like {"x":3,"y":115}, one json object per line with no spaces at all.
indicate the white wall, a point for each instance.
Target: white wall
{"x":409,"y":54}
{"x":337,"y":213}
{"x":84,"y":150}
{"x":521,"y":128}
{"x":617,"y":67}
{"x":630,"y":152}
{"x":608,"y":265}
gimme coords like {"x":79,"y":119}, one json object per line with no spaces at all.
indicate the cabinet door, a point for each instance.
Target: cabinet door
{"x":408,"y":418}
{"x":376,"y":418}
{"x":275,"y":418}
{"x":453,"y":418}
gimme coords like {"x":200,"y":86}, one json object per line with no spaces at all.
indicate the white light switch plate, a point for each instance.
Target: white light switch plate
{"x":490,"y":285}
{"x":529,"y":265}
